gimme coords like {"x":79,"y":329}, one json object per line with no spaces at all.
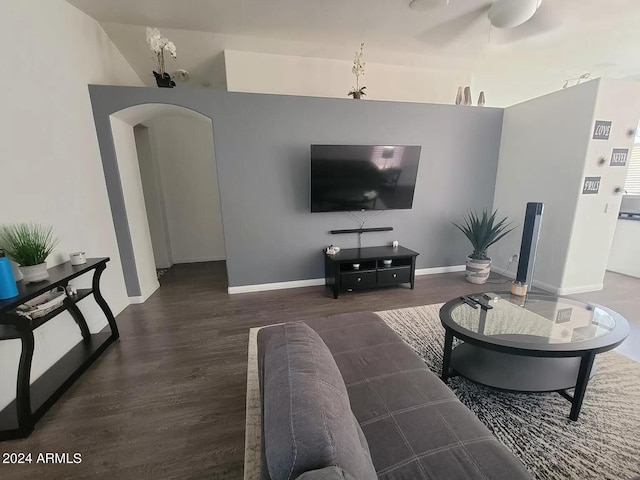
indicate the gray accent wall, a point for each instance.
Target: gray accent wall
{"x":261,"y":145}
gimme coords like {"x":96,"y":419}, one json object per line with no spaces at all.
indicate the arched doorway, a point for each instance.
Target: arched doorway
{"x":168,"y":207}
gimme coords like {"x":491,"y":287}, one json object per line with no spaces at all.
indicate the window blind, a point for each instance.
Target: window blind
{"x":632,"y":183}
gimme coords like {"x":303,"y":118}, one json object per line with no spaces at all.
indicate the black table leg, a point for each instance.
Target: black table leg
{"x":76,"y":314}
{"x":102,"y":303}
{"x":413,"y":272}
{"x":23,"y":390}
{"x":336,"y":279}
{"x":446,"y":357}
{"x":581,"y":385}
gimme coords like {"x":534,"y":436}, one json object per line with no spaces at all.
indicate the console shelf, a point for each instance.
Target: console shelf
{"x":32,"y":401}
{"x":371,"y":270}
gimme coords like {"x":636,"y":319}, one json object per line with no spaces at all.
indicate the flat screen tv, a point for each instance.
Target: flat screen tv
{"x":363,"y":177}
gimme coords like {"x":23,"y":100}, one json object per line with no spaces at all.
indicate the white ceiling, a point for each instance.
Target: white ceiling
{"x":598,"y":36}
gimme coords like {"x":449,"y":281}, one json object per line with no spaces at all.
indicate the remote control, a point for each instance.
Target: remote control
{"x":481,"y":301}
{"x":469,"y":302}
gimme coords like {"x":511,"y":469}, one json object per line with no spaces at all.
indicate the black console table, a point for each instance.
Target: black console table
{"x":340,"y":273}
{"x":17,"y":420}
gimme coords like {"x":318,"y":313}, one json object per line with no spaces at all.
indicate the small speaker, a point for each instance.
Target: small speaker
{"x":529,"y":245}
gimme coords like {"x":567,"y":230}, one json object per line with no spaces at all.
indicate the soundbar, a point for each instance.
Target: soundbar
{"x":362,"y":230}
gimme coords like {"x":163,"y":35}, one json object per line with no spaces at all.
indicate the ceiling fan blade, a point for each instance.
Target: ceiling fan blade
{"x":543,"y":21}
{"x":448,"y":31}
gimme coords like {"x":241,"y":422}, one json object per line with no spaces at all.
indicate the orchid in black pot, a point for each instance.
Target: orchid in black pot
{"x":159,"y":45}
{"x":357,"y":92}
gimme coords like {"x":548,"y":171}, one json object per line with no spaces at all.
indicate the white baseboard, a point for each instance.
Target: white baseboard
{"x":264,"y":287}
{"x":314,"y":282}
{"x":143,"y":298}
{"x":626,"y":274}
{"x":536,"y":283}
{"x":552,"y":288}
{"x":437,"y":270}
{"x":199,"y":260}
{"x":503,"y":271}
{"x":581,"y":289}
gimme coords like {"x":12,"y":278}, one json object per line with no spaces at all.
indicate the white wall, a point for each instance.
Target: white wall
{"x":183,"y":150}
{"x":597,"y":215}
{"x":153,"y":197}
{"x":624,"y":256}
{"x":546,"y":152}
{"x":325,"y":77}
{"x":250,"y":71}
{"x":48,"y":140}
{"x":505,"y":87}
{"x":129,"y":169}
{"x":542,"y":155}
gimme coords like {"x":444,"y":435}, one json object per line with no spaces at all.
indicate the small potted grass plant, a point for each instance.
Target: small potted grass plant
{"x":29,"y":245}
{"x":482,"y":231}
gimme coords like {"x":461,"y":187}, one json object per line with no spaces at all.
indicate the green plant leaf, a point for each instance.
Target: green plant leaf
{"x":483,"y":231}
{"x":27,"y":244}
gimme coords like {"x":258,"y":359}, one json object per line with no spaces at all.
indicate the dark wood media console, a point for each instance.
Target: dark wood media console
{"x":340,"y":273}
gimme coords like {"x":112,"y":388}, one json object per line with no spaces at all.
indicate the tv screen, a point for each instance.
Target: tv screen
{"x":363,"y":177}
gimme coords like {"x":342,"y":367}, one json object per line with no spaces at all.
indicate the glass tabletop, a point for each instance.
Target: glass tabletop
{"x":536,"y":319}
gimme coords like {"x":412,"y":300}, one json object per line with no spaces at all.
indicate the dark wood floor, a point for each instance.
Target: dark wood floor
{"x":168,"y":400}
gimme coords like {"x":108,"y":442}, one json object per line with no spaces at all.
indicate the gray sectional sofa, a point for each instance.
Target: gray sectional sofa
{"x":344,"y":397}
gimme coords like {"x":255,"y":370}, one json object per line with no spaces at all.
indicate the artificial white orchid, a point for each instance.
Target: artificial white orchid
{"x":171,"y":48}
{"x":158,"y":45}
{"x":357,"y":70}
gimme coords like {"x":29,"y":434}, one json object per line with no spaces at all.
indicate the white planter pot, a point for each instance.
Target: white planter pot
{"x":478,"y":270}
{"x":34,"y":273}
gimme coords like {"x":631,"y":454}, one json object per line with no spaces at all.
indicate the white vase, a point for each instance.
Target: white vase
{"x":467,"y":96}
{"x":477,"y":270}
{"x":459,"y":96}
{"x":481,"y":100}
{"x":34,"y":273}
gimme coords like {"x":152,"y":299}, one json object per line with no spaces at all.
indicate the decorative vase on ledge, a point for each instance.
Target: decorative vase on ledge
{"x":460,"y":96}
{"x":164,"y":80}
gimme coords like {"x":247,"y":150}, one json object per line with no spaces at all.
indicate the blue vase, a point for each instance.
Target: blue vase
{"x":8,"y":287}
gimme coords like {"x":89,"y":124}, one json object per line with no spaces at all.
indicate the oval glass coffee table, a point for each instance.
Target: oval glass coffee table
{"x":538,"y":343}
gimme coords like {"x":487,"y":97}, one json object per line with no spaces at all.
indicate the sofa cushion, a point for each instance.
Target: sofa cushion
{"x":308,"y":423}
{"x":414,"y":424}
{"x":328,"y":473}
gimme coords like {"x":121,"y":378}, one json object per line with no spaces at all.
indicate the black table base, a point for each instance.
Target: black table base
{"x":516,"y":357}
{"x":18,"y":419}
{"x":520,"y":373}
